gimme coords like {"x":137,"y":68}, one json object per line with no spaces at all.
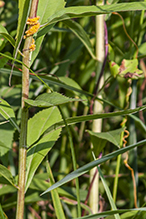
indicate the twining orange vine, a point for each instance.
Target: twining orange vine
{"x":126,"y":135}
{"x":130,"y":168}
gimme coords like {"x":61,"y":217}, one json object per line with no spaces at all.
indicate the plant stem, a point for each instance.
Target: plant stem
{"x":115,"y":187}
{"x":116,"y":180}
{"x":97,"y":124}
{"x":24,"y":119}
{"x":23,"y":136}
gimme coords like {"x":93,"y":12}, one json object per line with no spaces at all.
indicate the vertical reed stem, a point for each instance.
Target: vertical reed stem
{"x":97,"y":124}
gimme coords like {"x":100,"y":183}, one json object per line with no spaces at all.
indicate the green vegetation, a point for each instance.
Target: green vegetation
{"x":72,"y":109}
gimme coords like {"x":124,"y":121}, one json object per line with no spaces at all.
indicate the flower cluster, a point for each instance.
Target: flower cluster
{"x":34,"y":26}
{"x":33,"y":29}
{"x":33,"y":21}
{"x":32,"y":46}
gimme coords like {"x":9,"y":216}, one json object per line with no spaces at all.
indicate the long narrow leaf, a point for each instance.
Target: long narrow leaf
{"x":56,"y":200}
{"x":59,"y":83}
{"x":78,"y":119}
{"x":109,"y":213}
{"x":7,"y":36}
{"x":24,"y":8}
{"x":77,"y":29}
{"x":108,"y":193}
{"x":89,"y":166}
{"x":82,"y":11}
{"x":2,"y":214}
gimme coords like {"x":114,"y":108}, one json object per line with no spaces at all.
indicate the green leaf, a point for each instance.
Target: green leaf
{"x":2,"y":214}
{"x":38,"y":42}
{"x":82,"y":11}
{"x":72,"y":83}
{"x":7,"y":175}
{"x":7,"y":112}
{"x":108,"y":193}
{"x":50,"y":99}
{"x":51,"y":7}
{"x":3,"y":60}
{"x":89,"y":166}
{"x":36,"y":127}
{"x":77,"y":29}
{"x":127,"y":69}
{"x":137,"y":215}
{"x":129,"y":215}
{"x":38,"y":123}
{"x":6,"y":129}
{"x":3,"y":145}
{"x":54,"y":81}
{"x":7,"y":36}
{"x":99,"y":139}
{"x":24,"y":8}
{"x":112,"y":212}
{"x":139,"y":124}
{"x":40,"y":183}
{"x":77,"y":119}
{"x":56,"y":200}
{"x":6,"y":188}
{"x":114,"y":68}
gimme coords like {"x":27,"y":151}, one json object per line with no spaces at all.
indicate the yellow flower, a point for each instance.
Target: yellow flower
{"x":32,"y":46}
{"x":33,"y":21}
{"x":32,"y":30}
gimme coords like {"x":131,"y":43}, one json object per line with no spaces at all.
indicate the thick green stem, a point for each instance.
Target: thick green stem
{"x":24,"y":119}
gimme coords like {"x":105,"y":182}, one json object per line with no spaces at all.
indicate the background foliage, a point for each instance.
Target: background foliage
{"x":65,"y":60}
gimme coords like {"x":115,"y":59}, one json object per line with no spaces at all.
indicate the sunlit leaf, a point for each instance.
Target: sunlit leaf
{"x":127,"y":69}
{"x":50,"y":99}
{"x":99,"y":139}
{"x":51,"y":7}
{"x":82,"y":11}
{"x":36,"y":127}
